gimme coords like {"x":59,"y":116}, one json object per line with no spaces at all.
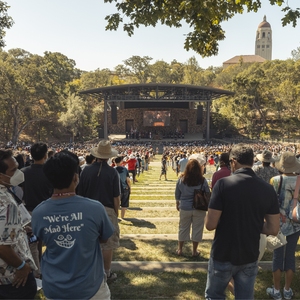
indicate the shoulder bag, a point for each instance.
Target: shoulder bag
{"x":295,"y":209}
{"x":201,"y":199}
{"x":279,"y":240}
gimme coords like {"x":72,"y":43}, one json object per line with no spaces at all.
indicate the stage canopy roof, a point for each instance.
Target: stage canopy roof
{"x":154,"y":92}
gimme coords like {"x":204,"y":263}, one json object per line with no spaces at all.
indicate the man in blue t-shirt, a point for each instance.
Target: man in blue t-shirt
{"x":72,"y":228}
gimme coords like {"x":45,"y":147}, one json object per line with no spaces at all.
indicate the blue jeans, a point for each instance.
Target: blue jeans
{"x":219,"y":275}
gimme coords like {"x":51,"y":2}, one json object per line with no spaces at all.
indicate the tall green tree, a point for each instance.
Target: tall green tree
{"x":192,"y":71}
{"x":138,"y":67}
{"x":177,"y":71}
{"x":203,"y":17}
{"x":6,"y":22}
{"x":296,"y":54}
{"x":31,"y":87}
{"x":74,"y":115}
{"x":160,"y":72}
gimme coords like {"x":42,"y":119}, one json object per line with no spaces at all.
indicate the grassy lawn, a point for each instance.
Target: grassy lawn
{"x":186,"y":284}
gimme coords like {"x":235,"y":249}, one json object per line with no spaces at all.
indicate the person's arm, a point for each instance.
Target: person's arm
{"x":117,"y":205}
{"x":103,"y":241}
{"x":128,"y":182}
{"x":271,"y":225}
{"x":12,"y":259}
{"x":212,"y":219}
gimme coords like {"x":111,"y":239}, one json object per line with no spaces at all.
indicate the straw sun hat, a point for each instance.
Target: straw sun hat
{"x":198,"y":156}
{"x":104,"y":150}
{"x":265,"y":156}
{"x":287,"y":163}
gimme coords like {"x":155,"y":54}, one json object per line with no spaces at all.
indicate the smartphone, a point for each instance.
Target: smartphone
{"x":32,"y":238}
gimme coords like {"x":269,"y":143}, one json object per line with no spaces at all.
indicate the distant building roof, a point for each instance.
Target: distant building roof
{"x":264,"y":23}
{"x":245,"y":58}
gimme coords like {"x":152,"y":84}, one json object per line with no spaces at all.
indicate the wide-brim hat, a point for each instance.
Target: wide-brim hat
{"x":265,"y":156}
{"x":201,"y":159}
{"x":104,"y":150}
{"x":287,"y":163}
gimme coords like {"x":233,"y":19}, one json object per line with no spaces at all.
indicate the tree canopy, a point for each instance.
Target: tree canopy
{"x":203,"y":17}
{"x":5,"y":22}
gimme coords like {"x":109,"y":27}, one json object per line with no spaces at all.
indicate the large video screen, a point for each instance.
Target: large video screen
{"x":156,"y":118}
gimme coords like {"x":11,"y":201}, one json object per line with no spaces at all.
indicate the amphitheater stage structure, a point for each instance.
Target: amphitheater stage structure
{"x":156,"y":111}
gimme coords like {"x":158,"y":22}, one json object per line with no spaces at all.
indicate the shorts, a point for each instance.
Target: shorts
{"x":284,"y":257}
{"x":191,"y":218}
{"x":125,"y":198}
{"x":113,"y":242}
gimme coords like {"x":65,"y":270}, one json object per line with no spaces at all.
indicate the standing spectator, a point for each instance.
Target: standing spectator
{"x":37,"y":188}
{"x":163,"y":167}
{"x":16,"y":262}
{"x":242,"y":206}
{"x":182,"y":163}
{"x":131,"y":163}
{"x":72,"y":264}
{"x":88,"y":161}
{"x":264,"y":170}
{"x":125,"y":185}
{"x":191,"y":179}
{"x":101,"y":182}
{"x":142,"y":163}
{"x":284,"y":257}
{"x":147,"y":161}
{"x":224,"y":170}
{"x":138,"y":164}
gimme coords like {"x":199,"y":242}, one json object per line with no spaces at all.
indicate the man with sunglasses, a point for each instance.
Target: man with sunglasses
{"x":242,"y":206}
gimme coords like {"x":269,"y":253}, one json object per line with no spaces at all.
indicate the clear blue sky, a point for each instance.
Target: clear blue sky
{"x":76,"y":28}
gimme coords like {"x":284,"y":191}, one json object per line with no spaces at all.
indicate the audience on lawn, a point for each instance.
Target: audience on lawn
{"x":135,"y":157}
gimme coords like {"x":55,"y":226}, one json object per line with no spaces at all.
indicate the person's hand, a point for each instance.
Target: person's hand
{"x":28,"y":229}
{"x":21,"y":276}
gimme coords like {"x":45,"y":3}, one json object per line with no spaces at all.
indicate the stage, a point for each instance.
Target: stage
{"x":155,"y":138}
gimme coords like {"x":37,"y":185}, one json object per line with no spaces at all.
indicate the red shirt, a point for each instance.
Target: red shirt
{"x":223,"y":172}
{"x":211,"y":161}
{"x":131,"y":164}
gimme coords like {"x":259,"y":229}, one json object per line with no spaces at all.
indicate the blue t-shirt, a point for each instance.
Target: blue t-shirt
{"x":72,"y":265}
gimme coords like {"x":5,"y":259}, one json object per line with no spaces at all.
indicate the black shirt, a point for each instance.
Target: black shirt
{"x":104,"y":187}
{"x":36,"y":186}
{"x":244,"y":200}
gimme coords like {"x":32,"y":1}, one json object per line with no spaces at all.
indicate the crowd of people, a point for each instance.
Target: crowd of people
{"x":46,"y":180}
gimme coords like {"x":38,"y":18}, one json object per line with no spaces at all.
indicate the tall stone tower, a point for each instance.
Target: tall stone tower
{"x":263,"y":41}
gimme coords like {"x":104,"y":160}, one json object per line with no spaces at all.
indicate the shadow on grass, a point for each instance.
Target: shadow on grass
{"x":130,"y":244}
{"x":138,"y":223}
{"x":159,"y":250}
